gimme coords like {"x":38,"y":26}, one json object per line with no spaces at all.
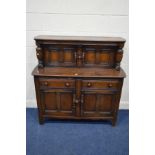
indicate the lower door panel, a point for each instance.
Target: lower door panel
{"x":57,"y":102}
{"x":97,"y":104}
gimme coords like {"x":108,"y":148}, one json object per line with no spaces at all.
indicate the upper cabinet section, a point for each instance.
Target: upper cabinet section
{"x":105,"y":52}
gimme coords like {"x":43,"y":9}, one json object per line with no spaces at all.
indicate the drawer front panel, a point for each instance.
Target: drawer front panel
{"x":101,"y":84}
{"x":57,"y":83}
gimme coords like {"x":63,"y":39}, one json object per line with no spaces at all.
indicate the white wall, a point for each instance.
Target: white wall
{"x":75,"y":17}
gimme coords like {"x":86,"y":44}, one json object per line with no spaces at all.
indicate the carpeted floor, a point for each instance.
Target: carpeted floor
{"x":77,"y":138}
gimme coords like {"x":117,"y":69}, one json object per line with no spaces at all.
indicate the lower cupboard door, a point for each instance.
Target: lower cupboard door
{"x":97,"y":104}
{"x":58,"y":103}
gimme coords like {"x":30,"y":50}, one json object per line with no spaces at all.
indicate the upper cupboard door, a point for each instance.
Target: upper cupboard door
{"x":99,"y":56}
{"x":58,"y":55}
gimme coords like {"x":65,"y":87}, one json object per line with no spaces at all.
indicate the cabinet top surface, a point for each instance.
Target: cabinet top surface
{"x":80,"y":38}
{"x":78,"y":72}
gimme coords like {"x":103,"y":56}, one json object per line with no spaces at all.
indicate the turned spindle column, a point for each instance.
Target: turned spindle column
{"x":39,"y":54}
{"x":119,"y":56}
{"x":79,"y":56}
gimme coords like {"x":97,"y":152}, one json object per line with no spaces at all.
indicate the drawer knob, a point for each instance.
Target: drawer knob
{"x":45,"y":83}
{"x":67,"y":84}
{"x":89,"y":84}
{"x":109,"y":85}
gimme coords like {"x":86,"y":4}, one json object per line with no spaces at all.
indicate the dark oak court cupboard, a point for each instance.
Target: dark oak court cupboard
{"x":78,"y":77}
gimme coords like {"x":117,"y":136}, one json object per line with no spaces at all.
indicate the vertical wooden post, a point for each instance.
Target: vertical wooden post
{"x":39,"y":54}
{"x":78,"y":97}
{"x":79,"y":57}
{"x":119,"y":56}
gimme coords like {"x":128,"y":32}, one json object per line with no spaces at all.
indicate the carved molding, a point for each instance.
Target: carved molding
{"x":79,"y":56}
{"x":119,"y":56}
{"x":39,"y":56}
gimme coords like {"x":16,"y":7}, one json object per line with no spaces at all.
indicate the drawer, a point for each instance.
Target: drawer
{"x":101,"y":84}
{"x":57,"y":83}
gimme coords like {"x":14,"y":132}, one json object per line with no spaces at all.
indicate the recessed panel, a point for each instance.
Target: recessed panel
{"x":90,"y":56}
{"x":50,"y":101}
{"x":54,"y":56}
{"x":68,"y":55}
{"x":66,"y":101}
{"x":89,"y":102}
{"x":106,"y":57}
{"x":104,"y":103}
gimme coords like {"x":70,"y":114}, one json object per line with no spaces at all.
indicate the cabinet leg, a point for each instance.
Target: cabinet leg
{"x":41,"y":120}
{"x":113,"y":122}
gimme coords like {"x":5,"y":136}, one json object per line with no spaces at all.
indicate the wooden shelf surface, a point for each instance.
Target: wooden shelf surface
{"x":78,"y":72}
{"x":79,"y":38}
